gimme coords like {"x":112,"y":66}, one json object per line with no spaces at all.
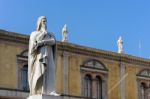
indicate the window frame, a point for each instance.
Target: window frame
{"x":22,"y":60}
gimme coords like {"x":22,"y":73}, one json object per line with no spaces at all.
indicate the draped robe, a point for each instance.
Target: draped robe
{"x":41,"y":63}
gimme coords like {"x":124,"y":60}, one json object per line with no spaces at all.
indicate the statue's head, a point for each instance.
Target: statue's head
{"x":41,"y":22}
{"x":120,"y":38}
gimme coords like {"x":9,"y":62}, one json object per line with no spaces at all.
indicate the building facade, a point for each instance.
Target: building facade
{"x":82,"y":72}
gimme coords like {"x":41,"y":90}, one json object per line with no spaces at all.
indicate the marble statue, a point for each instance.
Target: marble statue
{"x":41,"y":60}
{"x":120,"y":45}
{"x":65,"y":34}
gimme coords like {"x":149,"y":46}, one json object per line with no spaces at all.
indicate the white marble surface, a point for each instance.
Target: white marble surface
{"x":41,"y":59}
{"x":120,"y":45}
{"x":65,"y":34}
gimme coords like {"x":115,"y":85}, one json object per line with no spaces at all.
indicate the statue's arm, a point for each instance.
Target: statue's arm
{"x":49,"y":42}
{"x":45,"y":42}
{"x":34,"y":45}
{"x":40,"y":43}
{"x":34,"y":48}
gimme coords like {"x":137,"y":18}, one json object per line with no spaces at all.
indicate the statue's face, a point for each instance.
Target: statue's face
{"x":43,"y":21}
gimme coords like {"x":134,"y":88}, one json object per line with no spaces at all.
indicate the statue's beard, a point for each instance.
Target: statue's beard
{"x":43,"y":28}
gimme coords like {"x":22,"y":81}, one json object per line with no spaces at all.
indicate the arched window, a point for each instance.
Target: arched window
{"x":87,"y":86}
{"x":22,"y":62}
{"x":143,"y":82}
{"x":144,"y":93}
{"x":98,"y":87}
{"x":24,"y":74}
{"x":92,"y":84}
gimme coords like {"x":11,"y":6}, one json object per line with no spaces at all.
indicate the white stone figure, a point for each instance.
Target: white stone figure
{"x":120,"y":45}
{"x":65,"y":34}
{"x":41,"y":60}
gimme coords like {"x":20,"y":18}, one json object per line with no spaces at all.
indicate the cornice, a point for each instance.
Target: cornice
{"x":73,"y":48}
{"x":78,"y":49}
{"x":14,"y":37}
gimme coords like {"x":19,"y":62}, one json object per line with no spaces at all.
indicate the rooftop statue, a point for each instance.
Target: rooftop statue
{"x":120,"y":45}
{"x":65,"y":34}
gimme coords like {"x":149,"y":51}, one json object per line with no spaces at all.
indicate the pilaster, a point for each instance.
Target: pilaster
{"x":122,"y":78}
{"x":65,"y":73}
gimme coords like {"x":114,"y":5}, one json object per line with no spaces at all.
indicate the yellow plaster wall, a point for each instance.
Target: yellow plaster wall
{"x":8,"y":73}
{"x":75,"y":80}
{"x":59,"y":74}
{"x":113,"y":81}
{"x":74,"y":76}
{"x":8,"y":64}
{"x":131,"y":82}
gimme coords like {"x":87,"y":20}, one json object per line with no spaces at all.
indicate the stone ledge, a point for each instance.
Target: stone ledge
{"x":44,"y":97}
{"x":13,"y":93}
{"x":51,"y":97}
{"x":15,"y":37}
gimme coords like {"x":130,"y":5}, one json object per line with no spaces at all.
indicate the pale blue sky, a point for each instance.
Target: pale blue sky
{"x":92,"y":23}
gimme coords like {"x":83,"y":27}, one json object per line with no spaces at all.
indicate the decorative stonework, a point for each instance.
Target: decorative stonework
{"x":145,"y":73}
{"x":94,"y":64}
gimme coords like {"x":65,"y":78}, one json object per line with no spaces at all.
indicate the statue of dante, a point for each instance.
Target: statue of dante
{"x":41,"y":60}
{"x":120,"y":45}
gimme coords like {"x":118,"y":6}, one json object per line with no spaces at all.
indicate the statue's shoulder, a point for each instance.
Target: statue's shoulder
{"x":34,"y":33}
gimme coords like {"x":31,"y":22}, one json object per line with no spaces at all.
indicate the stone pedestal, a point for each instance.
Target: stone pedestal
{"x":44,"y":97}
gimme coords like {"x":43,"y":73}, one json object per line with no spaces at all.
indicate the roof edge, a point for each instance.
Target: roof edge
{"x":74,"y":48}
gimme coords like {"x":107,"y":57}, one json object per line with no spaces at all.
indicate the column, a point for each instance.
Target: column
{"x":105,"y":87}
{"x":65,"y":73}
{"x":122,"y":78}
{"x":94,"y":91}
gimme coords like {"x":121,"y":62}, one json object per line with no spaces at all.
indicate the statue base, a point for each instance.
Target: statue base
{"x":44,"y":97}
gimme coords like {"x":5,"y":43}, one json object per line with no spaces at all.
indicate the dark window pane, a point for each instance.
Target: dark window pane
{"x":144,"y":91}
{"x":99,"y":87}
{"x":25,"y":77}
{"x":87,"y":86}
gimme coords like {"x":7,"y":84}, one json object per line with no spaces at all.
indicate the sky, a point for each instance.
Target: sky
{"x":92,"y":23}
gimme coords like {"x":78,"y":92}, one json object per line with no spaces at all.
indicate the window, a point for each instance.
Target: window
{"x":98,"y":87}
{"x":94,"y":79}
{"x":144,"y":84}
{"x":24,"y":74}
{"x":22,"y":61}
{"x":87,"y":86}
{"x":144,"y":91}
